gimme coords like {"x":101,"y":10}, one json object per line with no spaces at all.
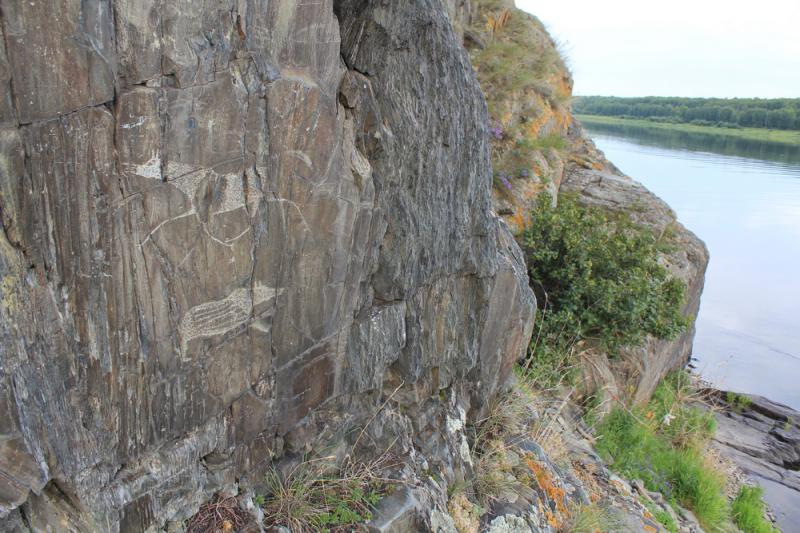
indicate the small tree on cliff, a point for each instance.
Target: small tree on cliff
{"x":598,"y":278}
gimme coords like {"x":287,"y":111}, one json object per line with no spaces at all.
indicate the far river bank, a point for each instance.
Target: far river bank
{"x":761,"y":135}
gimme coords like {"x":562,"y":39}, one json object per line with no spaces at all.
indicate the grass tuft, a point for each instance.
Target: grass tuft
{"x":314,"y":495}
{"x":663,"y":445}
{"x":506,"y":423}
{"x":738,"y":402}
{"x":748,"y":511}
{"x":591,"y":518}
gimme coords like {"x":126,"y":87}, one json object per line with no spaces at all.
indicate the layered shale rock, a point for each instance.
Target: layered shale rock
{"x":763,"y":438}
{"x":231,"y":231}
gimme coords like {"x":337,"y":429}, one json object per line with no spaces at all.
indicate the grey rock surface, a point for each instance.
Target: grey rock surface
{"x":221,"y":220}
{"x":763,"y":439}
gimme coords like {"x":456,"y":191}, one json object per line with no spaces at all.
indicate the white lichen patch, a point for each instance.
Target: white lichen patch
{"x":509,"y":524}
{"x":442,"y":522}
{"x":464,"y":451}
{"x":454,"y":425}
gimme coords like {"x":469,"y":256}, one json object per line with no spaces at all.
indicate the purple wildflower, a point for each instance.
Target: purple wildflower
{"x":504,"y":180}
{"x":524,"y":173}
{"x":496,"y":130}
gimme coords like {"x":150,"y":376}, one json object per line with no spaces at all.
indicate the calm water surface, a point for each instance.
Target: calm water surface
{"x":743,"y":200}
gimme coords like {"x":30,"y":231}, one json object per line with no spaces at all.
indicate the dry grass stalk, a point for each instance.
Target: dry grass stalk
{"x":495,"y":23}
{"x":314,"y":495}
{"x":222,"y":515}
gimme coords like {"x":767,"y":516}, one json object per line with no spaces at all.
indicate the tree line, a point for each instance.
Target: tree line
{"x":773,"y":113}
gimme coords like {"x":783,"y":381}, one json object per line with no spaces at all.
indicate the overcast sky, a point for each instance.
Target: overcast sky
{"x":678,"y":48}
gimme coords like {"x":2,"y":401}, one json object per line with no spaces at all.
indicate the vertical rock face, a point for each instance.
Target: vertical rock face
{"x":221,"y":219}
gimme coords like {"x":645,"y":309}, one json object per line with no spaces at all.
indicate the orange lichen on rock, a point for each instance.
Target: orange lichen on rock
{"x":551,"y":490}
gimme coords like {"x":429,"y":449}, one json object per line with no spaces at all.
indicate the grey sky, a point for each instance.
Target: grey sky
{"x":678,"y":48}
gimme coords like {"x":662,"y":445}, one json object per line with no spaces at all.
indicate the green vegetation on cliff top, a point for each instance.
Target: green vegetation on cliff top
{"x":752,"y":134}
{"x":522,"y":76}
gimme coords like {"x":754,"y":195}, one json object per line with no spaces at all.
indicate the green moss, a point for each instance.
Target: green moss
{"x":748,"y":511}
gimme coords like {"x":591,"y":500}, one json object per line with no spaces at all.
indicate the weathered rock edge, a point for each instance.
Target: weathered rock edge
{"x":763,"y":439}
{"x":228,"y":229}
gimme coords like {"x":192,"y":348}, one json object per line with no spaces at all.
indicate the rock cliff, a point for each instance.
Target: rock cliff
{"x":236,"y":232}
{"x":223,"y":222}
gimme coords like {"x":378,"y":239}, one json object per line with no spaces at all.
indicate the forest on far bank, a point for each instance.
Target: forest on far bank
{"x":774,"y":113}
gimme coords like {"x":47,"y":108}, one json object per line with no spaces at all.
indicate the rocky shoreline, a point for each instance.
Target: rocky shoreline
{"x":762,"y":438}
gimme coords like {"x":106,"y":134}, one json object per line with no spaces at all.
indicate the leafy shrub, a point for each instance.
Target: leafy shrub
{"x":748,"y":511}
{"x":598,"y":278}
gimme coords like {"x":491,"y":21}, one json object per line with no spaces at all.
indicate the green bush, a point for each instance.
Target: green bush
{"x":748,"y":511}
{"x":597,"y":278}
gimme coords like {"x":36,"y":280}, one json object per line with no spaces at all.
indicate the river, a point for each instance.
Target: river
{"x":743,"y":199}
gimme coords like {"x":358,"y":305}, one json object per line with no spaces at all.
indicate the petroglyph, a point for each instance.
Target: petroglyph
{"x":262,"y":293}
{"x":218,"y":317}
{"x":234,"y":194}
{"x":151,"y":169}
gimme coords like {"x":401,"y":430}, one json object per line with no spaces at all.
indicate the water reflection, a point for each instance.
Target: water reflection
{"x":747,"y":210}
{"x":702,"y":142}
